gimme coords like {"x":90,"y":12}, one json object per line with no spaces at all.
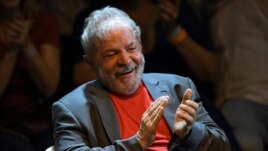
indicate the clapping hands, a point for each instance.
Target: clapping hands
{"x":17,"y":31}
{"x":185,"y":116}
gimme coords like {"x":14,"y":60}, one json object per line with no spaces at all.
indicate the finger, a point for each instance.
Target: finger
{"x":16,"y":24}
{"x":164,"y":97}
{"x":172,"y":7}
{"x":12,"y":33}
{"x":14,"y":28}
{"x":150,"y":120}
{"x":161,"y":101}
{"x":156,"y":117}
{"x":28,"y":23}
{"x":166,"y":17}
{"x":152,"y":107}
{"x":187,"y":95}
{"x":192,"y":104}
{"x":189,"y":110}
{"x":185,"y":116}
{"x":164,"y":100}
{"x":168,"y":11}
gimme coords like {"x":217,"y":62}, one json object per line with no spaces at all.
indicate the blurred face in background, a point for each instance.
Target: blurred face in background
{"x":119,"y":61}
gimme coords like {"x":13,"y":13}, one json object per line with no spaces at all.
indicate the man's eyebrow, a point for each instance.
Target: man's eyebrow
{"x":111,"y":49}
{"x":131,"y":44}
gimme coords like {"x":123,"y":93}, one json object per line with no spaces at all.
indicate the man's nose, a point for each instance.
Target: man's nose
{"x":124,"y":58}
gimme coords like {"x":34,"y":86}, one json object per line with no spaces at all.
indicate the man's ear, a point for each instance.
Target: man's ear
{"x":87,"y":60}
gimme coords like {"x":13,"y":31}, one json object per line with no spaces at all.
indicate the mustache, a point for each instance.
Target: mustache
{"x":126,"y":68}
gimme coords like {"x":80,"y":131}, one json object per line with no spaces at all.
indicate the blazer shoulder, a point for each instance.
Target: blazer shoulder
{"x":78,"y":96}
{"x":170,"y":81}
{"x":166,"y":78}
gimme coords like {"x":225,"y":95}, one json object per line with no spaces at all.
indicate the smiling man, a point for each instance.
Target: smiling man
{"x":119,"y":61}
{"x":125,"y":109}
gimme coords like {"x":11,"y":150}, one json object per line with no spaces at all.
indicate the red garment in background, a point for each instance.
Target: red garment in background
{"x":22,"y":104}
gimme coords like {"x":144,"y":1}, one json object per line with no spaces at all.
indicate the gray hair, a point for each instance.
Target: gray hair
{"x":99,"y":22}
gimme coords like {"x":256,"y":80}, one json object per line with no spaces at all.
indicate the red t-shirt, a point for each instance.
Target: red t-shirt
{"x":129,"y":112}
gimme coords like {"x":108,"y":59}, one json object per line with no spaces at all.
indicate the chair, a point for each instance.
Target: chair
{"x":51,"y":148}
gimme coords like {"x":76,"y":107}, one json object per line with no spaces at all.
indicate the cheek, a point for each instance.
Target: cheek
{"x":137,"y":57}
{"x":108,"y":66}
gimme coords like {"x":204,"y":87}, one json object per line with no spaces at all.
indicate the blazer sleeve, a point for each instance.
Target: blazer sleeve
{"x":70,"y":135}
{"x":205,"y":135}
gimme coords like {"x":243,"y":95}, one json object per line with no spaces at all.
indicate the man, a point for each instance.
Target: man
{"x":125,"y":109}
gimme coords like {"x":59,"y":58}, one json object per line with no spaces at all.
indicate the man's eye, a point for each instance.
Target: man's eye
{"x":131,"y":49}
{"x":108,"y":55}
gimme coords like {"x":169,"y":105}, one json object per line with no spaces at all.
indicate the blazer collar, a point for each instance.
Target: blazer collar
{"x":154,"y":87}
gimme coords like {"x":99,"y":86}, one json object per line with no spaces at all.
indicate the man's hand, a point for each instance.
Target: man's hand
{"x":185,"y":114}
{"x":150,"y":120}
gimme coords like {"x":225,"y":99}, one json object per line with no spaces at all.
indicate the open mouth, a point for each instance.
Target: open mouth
{"x":124,"y":73}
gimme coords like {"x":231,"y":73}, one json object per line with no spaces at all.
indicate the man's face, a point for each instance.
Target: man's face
{"x":119,"y":61}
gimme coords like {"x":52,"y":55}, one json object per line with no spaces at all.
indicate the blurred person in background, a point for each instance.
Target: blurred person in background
{"x":66,"y":12}
{"x":30,"y":73}
{"x":238,"y":67}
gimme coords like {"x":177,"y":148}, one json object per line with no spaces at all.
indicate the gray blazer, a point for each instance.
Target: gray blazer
{"x":85,"y":119}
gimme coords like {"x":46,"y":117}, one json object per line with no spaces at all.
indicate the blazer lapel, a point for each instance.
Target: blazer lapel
{"x":106,"y":110}
{"x":154,"y":88}
{"x":157,"y":89}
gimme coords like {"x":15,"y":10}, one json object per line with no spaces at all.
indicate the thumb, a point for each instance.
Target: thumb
{"x":187,"y":95}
